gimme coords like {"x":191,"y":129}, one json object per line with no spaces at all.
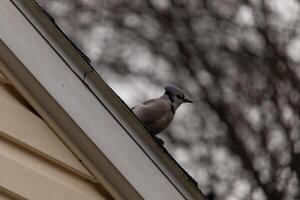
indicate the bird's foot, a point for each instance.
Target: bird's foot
{"x":160,"y":141}
{"x":157,"y":139}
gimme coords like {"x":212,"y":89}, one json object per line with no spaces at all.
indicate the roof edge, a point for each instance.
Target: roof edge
{"x":80,"y":65}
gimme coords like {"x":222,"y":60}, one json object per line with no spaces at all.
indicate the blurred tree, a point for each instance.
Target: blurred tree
{"x":240,"y":58}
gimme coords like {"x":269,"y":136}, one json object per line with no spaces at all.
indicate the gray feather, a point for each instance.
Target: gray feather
{"x":157,"y":114}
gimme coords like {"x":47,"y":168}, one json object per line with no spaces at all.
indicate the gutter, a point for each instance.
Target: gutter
{"x":80,"y":65}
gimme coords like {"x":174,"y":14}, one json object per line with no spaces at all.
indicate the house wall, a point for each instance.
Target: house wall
{"x":34,"y":162}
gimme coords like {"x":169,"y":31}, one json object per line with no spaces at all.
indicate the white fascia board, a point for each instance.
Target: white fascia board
{"x":52,"y":62}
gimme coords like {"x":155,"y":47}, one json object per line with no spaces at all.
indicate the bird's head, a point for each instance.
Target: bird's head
{"x":176,"y":96}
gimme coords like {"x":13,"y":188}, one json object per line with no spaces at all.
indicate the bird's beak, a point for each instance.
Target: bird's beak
{"x":186,"y":100}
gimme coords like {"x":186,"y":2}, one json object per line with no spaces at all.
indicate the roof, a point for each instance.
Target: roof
{"x":59,"y":82}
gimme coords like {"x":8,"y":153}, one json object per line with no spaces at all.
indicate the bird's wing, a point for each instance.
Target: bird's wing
{"x":145,"y":103}
{"x":151,"y":110}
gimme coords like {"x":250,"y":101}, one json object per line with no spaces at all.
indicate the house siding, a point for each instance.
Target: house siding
{"x":34,"y":162}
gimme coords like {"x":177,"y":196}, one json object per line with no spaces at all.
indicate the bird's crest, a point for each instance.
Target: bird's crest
{"x":173,"y":90}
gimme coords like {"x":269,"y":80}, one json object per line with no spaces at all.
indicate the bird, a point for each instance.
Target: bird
{"x":157,"y":114}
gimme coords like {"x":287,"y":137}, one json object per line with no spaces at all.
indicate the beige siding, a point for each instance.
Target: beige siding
{"x":2,"y":197}
{"x":30,"y":184}
{"x":6,"y":197}
{"x":21,"y":125}
{"x":34,"y":163}
{"x":6,"y":194}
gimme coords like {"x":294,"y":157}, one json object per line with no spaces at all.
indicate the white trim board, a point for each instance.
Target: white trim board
{"x":89,"y":112}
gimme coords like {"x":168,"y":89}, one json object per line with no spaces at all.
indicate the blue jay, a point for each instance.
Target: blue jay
{"x":157,"y":114}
